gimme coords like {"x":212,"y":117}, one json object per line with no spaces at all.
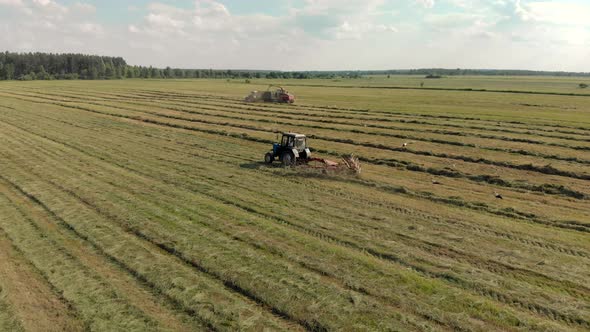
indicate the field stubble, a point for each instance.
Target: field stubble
{"x":150,"y":197}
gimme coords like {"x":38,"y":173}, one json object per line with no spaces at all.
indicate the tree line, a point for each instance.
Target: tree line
{"x":48,"y":66}
{"x":44,"y":66}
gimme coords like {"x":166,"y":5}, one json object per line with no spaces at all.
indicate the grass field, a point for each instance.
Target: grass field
{"x":143,"y":205}
{"x":531,"y":84}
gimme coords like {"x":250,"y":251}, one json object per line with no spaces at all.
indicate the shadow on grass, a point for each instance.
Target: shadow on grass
{"x":254,"y":165}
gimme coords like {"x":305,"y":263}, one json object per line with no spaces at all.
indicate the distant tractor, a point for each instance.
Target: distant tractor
{"x":279,"y":95}
{"x":291,"y":149}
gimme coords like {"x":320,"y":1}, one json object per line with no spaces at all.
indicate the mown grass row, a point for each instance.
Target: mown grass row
{"x":192,"y":214}
{"x":189,"y":147}
{"x":168,"y":313}
{"x":412,"y":167}
{"x":413,"y":244}
{"x":238,"y":136}
{"x":215,"y":200}
{"x":390,"y":113}
{"x":214,"y":248}
{"x":511,"y":212}
{"x":386,"y":188}
{"x":182,"y":288}
{"x":101,"y":307}
{"x":264,"y":119}
{"x":546,"y":188}
{"x":546,"y":169}
{"x":229,"y":314}
{"x":328,"y":117}
{"x":8,"y":320}
{"x":323,"y":115}
{"x":389,"y":116}
{"x":357,"y":131}
{"x":333,"y":115}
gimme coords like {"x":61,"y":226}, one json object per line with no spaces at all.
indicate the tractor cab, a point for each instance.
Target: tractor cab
{"x":291,"y":147}
{"x":293,"y":140}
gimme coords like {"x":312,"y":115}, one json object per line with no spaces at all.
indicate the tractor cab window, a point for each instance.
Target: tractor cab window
{"x":285,"y":141}
{"x":300,"y":143}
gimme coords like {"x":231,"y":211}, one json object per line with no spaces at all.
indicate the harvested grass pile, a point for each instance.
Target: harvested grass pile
{"x":352,"y":163}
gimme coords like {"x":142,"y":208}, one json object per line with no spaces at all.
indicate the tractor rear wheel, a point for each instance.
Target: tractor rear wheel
{"x":269,"y":158}
{"x":288,"y":159}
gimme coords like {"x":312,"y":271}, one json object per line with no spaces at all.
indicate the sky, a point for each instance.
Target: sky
{"x":308,"y":34}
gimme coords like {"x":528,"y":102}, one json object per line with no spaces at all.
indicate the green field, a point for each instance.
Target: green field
{"x":144,"y":205}
{"x":535,"y":84}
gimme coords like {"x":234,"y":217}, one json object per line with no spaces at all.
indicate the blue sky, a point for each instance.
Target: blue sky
{"x":308,"y":34}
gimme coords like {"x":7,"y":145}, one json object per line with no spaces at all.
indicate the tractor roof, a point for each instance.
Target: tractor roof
{"x":293,"y":134}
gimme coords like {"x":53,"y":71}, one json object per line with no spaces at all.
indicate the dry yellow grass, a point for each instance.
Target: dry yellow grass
{"x":144,"y":205}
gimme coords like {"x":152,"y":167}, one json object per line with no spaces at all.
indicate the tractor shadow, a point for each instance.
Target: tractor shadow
{"x":261,"y":165}
{"x":302,"y":172}
{"x":253,"y":165}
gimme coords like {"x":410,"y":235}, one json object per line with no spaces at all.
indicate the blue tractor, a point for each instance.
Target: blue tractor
{"x":291,"y":149}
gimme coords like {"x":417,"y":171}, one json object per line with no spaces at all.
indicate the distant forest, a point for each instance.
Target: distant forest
{"x":47,"y":66}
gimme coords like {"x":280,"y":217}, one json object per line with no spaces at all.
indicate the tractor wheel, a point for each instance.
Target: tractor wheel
{"x":269,"y":158}
{"x":288,"y":159}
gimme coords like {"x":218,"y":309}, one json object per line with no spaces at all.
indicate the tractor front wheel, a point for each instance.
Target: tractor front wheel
{"x":288,"y":159}
{"x":269,"y":158}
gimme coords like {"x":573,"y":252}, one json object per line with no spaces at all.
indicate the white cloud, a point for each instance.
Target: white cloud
{"x":133,"y":29}
{"x":544,"y":24}
{"x":426,"y":3}
{"x":451,"y":20}
{"x":316,"y":34}
{"x":556,"y":12}
{"x":211,"y":9}
{"x":559,"y":12}
{"x":211,"y":33}
{"x":522,"y":12}
{"x":164,"y":21}
{"x":339,"y":7}
{"x":84,"y":8}
{"x":43,"y":2}
{"x":91,"y":28}
{"x":15,"y":3}
{"x":34,"y":25}
{"x":357,"y":31}
{"x":335,"y":19}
